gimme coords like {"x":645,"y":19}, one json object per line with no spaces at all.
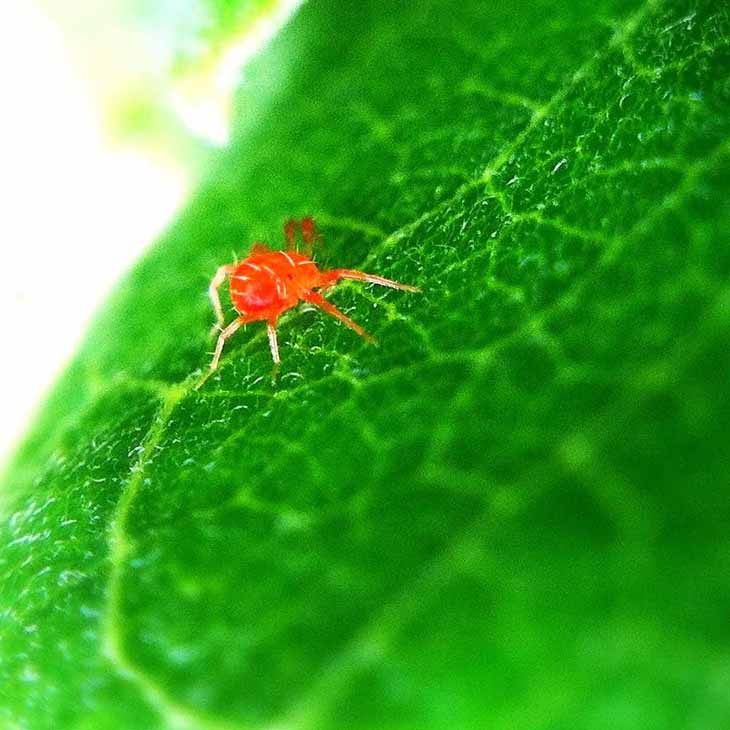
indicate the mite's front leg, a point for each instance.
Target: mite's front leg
{"x":328,"y":278}
{"x":310,"y":234}
{"x":216,"y":281}
{"x":222,"y":337}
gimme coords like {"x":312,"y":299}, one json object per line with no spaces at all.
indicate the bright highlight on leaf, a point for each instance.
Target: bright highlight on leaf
{"x":511,"y":514}
{"x":203,"y":93}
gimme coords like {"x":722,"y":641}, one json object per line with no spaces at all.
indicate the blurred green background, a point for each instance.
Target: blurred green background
{"x":513,"y":512}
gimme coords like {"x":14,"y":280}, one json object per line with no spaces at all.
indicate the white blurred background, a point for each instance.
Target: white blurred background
{"x":102,"y":135}
{"x":76,"y":210}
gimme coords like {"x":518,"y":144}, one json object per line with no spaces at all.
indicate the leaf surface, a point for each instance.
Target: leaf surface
{"x":512,"y":513}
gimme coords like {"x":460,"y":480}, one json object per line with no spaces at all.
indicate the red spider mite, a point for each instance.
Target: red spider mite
{"x":267,"y":283}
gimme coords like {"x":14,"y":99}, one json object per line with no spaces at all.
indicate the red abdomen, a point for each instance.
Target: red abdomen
{"x":267,"y":283}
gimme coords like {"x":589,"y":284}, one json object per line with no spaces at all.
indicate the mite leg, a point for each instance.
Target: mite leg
{"x":274,"y":345}
{"x":216,"y":281}
{"x":322,"y":303}
{"x":273,"y":341}
{"x":222,"y":337}
{"x":310,"y":234}
{"x":331,"y":277}
{"x":290,"y":228}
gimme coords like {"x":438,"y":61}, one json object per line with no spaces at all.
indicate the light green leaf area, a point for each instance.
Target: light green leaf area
{"x":513,"y":512}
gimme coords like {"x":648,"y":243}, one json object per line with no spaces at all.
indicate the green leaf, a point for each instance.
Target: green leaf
{"x":513,"y":512}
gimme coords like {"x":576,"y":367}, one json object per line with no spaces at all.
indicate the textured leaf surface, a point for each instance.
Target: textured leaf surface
{"x":511,"y":514}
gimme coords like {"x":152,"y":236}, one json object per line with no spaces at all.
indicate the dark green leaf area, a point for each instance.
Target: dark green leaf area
{"x":512,"y":512}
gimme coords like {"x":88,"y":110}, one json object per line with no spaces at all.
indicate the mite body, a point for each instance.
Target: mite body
{"x":267,"y":283}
